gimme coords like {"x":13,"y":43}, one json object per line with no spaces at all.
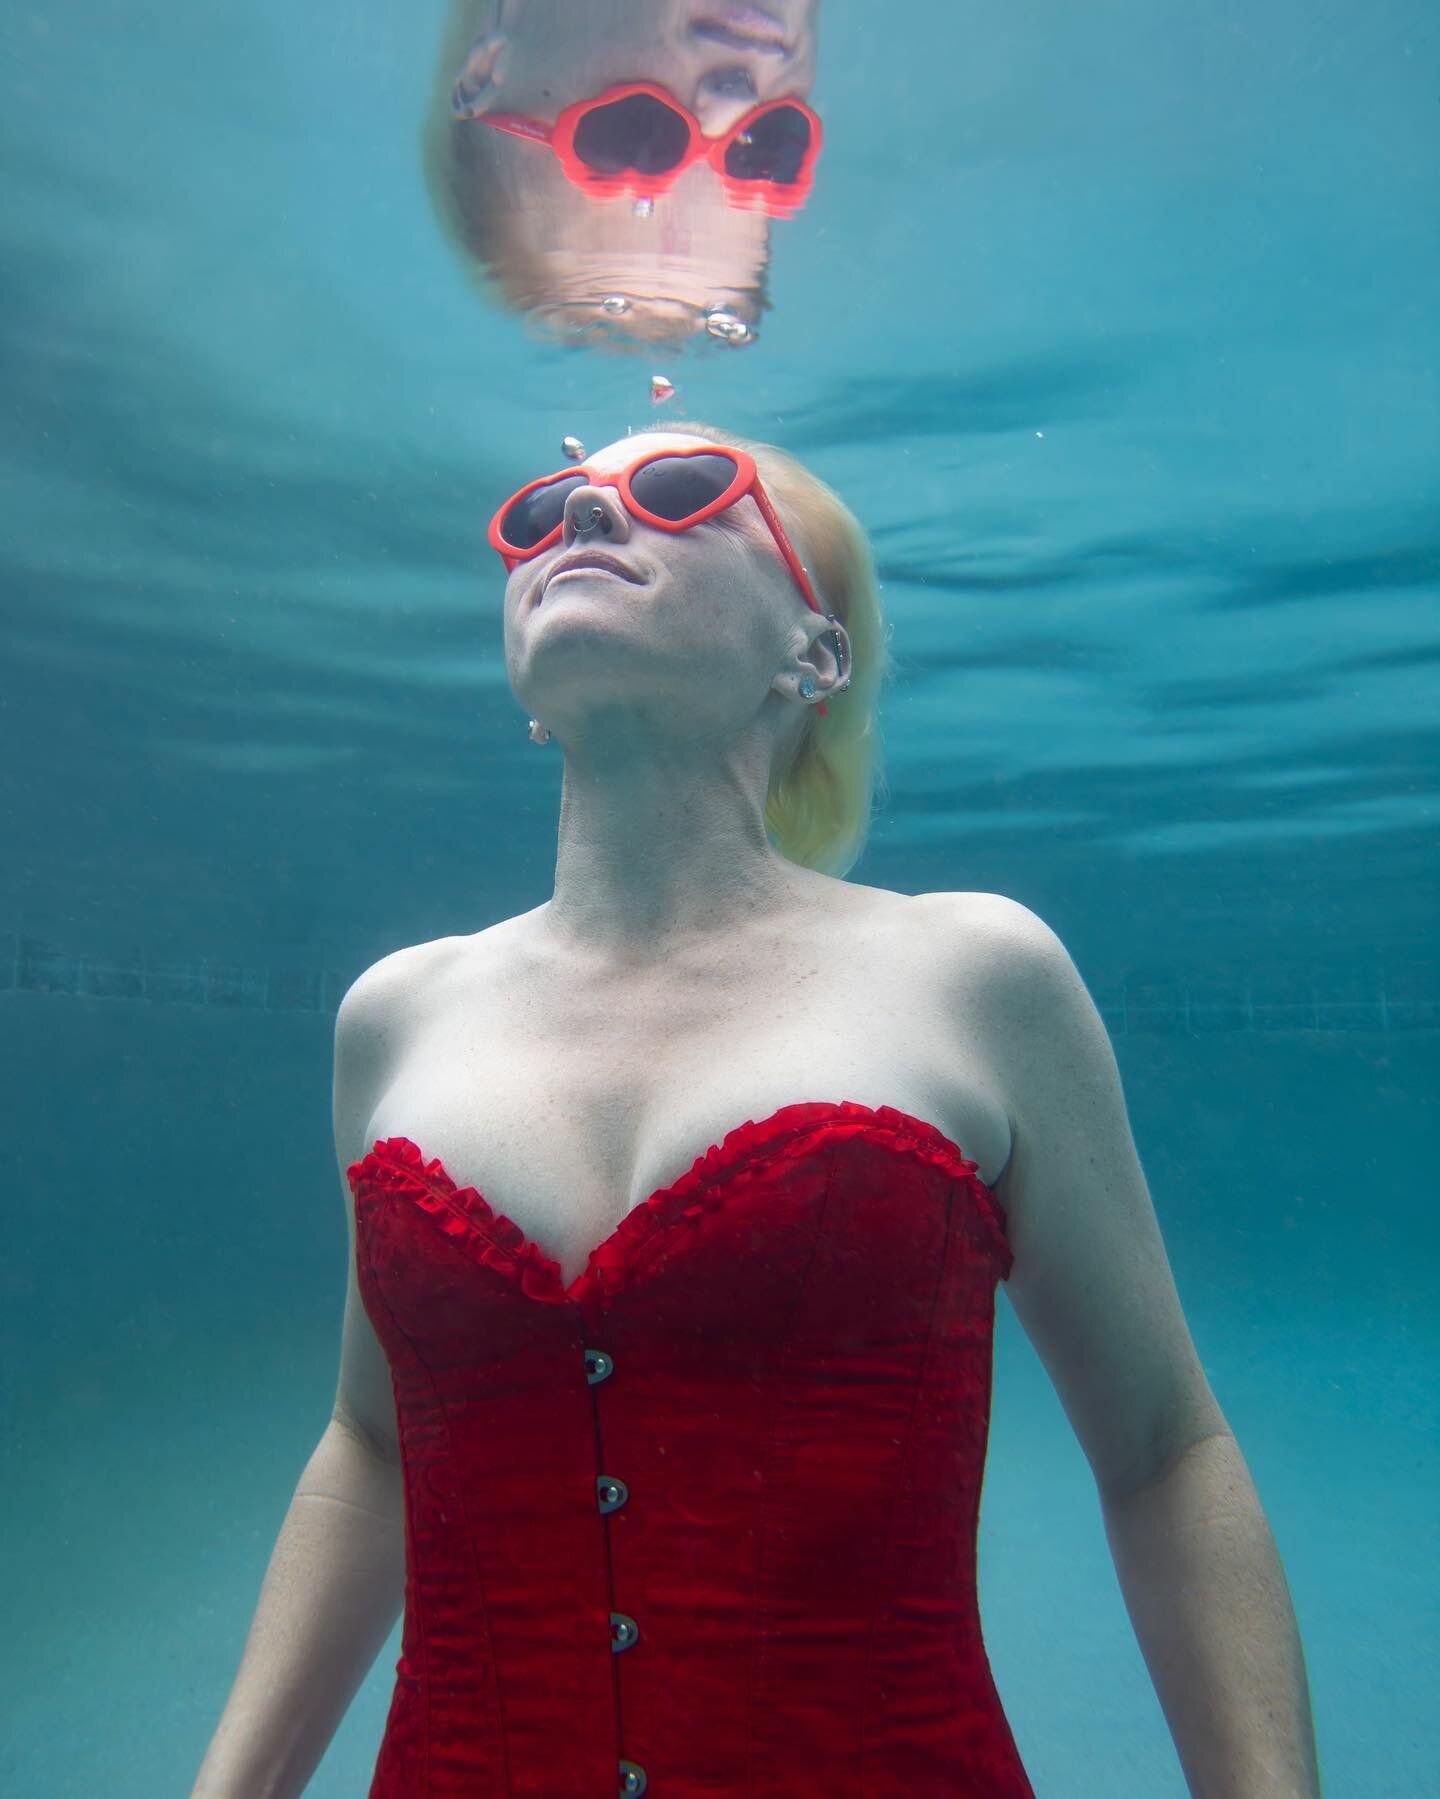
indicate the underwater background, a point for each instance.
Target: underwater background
{"x":1116,"y":327}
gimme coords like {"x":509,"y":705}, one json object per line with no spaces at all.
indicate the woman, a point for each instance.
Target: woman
{"x":682,"y":1445}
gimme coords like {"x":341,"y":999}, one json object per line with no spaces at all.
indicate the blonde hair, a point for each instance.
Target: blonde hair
{"x":823,"y":793}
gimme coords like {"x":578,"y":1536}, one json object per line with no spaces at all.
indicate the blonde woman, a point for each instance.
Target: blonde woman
{"x":678,"y":1206}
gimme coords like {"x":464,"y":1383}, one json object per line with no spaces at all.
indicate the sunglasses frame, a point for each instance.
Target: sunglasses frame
{"x":777,"y":199}
{"x":746,"y":480}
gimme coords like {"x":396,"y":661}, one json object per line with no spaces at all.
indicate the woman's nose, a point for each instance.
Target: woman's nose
{"x":594,"y":515}
{"x":722,"y":97}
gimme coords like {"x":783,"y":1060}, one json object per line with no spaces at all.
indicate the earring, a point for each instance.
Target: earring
{"x":539,"y":733}
{"x":807,"y":689}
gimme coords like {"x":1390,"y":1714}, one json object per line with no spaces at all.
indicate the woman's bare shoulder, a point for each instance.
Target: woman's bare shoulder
{"x":380,"y":992}
{"x":395,"y":989}
{"x":1003,"y":930}
{"x":998,"y":960}
{"x":402,"y":977}
{"x":380,"y":1014}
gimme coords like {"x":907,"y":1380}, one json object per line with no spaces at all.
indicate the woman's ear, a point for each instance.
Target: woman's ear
{"x":475,"y":86}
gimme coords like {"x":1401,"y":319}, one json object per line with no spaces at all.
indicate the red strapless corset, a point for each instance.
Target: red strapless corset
{"x":704,"y":1521}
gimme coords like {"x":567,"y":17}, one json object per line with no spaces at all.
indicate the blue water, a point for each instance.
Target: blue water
{"x":1116,"y":327}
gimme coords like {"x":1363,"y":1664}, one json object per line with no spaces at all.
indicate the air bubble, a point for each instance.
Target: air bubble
{"x":573,"y":448}
{"x":660,"y":390}
{"x":614,"y":304}
{"x":727,"y":326}
{"x":643,"y":208}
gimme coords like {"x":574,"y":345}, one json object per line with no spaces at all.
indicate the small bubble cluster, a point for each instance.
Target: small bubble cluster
{"x":727,"y":326}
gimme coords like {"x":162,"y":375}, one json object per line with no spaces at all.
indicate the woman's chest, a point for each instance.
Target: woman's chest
{"x":568,"y":1105}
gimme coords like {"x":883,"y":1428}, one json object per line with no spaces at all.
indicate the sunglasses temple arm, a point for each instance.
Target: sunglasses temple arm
{"x":785,"y":547}
{"x":787,"y":550}
{"x":517,"y":125}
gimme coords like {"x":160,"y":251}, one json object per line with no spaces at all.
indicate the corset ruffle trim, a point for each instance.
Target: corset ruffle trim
{"x":396,"y":1164}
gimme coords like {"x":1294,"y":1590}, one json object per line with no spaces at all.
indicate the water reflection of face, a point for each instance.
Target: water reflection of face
{"x":559,"y":255}
{"x":716,"y":56}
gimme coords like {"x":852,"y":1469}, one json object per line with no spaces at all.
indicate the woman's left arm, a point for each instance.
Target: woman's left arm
{"x":1092,"y":1286}
{"x":1206,"y":1593}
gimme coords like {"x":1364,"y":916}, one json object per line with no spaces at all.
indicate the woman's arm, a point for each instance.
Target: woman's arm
{"x":331,"y":1595}
{"x":336,"y":1580}
{"x":1208,"y":1598}
{"x":1092,"y":1286}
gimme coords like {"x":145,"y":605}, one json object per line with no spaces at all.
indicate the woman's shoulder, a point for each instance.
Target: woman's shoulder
{"x":1000,"y":925}
{"x":999,"y":959}
{"x":389,"y":983}
{"x":402,"y":971}
{"x":396,"y":987}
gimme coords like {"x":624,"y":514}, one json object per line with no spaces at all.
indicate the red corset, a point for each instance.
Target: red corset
{"x":704,"y":1522}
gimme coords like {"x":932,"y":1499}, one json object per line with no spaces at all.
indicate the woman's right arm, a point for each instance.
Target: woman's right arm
{"x":336,"y":1580}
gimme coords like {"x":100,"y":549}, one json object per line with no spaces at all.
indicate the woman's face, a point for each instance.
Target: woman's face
{"x":719,"y":57}
{"x":682,"y":614}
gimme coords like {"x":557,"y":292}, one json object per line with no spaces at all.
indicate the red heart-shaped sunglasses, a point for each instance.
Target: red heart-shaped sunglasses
{"x":638,"y":139}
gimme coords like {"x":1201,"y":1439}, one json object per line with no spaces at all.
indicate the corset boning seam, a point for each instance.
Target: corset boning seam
{"x":427,"y":1685}
{"x":758,"y":1635}
{"x":902,"y":1484}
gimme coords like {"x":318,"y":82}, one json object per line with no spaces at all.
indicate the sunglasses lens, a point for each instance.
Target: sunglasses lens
{"x":774,"y":148}
{"x":639,"y":132}
{"x":536,"y":514}
{"x":676,"y":487}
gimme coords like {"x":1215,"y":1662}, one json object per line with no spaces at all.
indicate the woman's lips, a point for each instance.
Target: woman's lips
{"x":740,"y":28}
{"x":594,"y":561}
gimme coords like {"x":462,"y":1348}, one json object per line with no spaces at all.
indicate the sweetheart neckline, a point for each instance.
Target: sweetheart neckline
{"x":525,"y":1262}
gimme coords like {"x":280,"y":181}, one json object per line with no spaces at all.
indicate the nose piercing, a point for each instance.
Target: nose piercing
{"x":597,"y":517}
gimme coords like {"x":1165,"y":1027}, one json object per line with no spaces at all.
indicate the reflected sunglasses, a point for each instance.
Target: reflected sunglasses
{"x":673,"y":490}
{"x":637,"y":139}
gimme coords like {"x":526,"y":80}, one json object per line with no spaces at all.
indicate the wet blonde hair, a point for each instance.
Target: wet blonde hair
{"x":824,"y":791}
